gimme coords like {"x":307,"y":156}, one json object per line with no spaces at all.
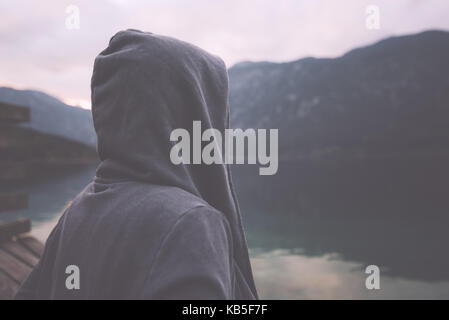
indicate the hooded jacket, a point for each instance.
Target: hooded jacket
{"x":146,"y":228}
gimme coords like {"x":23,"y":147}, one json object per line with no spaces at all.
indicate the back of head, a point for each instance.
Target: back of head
{"x":143,"y":87}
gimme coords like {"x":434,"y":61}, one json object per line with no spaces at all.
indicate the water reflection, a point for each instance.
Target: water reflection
{"x":306,"y":257}
{"x":316,"y":226}
{"x":288,"y":274}
{"x":312,"y":229}
{"x":48,"y":193}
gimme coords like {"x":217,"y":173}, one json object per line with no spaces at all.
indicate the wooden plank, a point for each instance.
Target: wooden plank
{"x":11,"y":171}
{"x":14,"y":268}
{"x":8,"y":287}
{"x":20,"y":252}
{"x":13,"y":228}
{"x":16,"y":263}
{"x":14,"y":201}
{"x":36,"y":247}
{"x":13,"y":113}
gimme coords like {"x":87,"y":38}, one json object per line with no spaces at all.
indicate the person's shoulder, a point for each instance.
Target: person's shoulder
{"x":201,"y":215}
{"x":166,"y":203}
{"x":149,"y":206}
{"x":187,"y":208}
{"x":171,"y":199}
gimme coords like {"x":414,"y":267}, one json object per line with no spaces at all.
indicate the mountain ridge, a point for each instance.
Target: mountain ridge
{"x":391,"y":94}
{"x":50,"y":115}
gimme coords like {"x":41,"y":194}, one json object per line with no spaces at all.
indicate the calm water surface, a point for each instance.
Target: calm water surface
{"x":311,"y":237}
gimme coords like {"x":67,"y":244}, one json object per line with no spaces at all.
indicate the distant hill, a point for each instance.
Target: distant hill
{"x":25,"y":152}
{"x":392,"y":96}
{"x":389,"y":97}
{"x":50,"y":115}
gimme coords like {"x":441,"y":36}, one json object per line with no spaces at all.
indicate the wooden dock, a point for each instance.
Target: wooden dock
{"x":12,"y":113}
{"x":19,"y":253}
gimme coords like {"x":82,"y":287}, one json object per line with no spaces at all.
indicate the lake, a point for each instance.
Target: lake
{"x":314,"y":228}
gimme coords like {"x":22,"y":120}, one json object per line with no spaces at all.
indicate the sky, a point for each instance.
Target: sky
{"x":43,"y":47}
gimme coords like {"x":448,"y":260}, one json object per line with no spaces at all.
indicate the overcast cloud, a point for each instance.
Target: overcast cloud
{"x":37,"y":51}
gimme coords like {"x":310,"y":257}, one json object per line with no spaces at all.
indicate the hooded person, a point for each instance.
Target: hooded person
{"x":146,"y":228}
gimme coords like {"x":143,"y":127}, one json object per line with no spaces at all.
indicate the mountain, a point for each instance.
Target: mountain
{"x":26,"y":153}
{"x":391,"y":97}
{"x":52,"y":116}
{"x":364,"y":148}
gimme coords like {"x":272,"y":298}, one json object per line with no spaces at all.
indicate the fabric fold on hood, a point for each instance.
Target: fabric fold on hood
{"x":143,"y":87}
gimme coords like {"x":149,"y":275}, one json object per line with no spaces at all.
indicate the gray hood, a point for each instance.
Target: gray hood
{"x":143,"y":87}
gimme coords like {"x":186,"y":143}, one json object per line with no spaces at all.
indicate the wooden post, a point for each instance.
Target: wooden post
{"x":15,"y":201}
{"x":12,"y":113}
{"x":14,"y":228}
